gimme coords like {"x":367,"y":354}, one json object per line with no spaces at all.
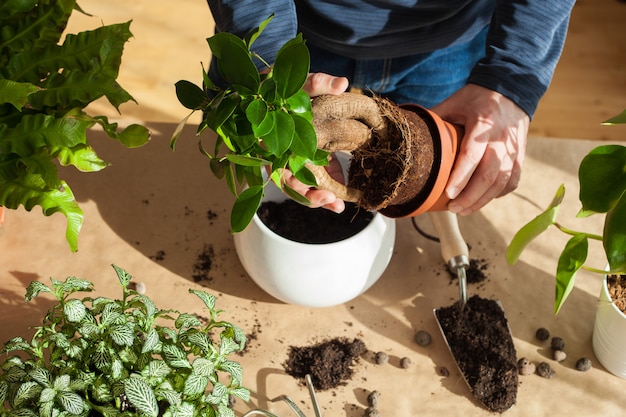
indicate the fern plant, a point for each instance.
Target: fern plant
{"x":99,"y":356}
{"x":44,"y":88}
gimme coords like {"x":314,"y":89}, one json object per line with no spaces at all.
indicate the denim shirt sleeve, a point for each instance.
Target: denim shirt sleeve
{"x":524,"y":44}
{"x":241,"y":16}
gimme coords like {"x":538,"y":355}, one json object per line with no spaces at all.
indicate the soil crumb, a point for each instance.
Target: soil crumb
{"x":481,"y":344}
{"x":299,"y":223}
{"x":476,"y":272}
{"x":330,"y":363}
{"x":203,"y":264}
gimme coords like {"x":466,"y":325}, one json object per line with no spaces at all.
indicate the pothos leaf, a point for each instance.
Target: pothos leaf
{"x":534,"y":228}
{"x":602,"y":176}
{"x":614,"y":233}
{"x":572,"y":258}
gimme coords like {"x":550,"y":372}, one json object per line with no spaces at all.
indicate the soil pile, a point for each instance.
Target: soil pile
{"x":299,"y":223}
{"x":482,"y":345}
{"x":330,"y":363}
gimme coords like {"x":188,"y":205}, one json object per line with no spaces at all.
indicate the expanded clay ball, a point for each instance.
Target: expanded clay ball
{"x":381,"y":358}
{"x":406,"y":362}
{"x":544,"y":370}
{"x":557,"y":343}
{"x":542,"y":334}
{"x":371,"y":412}
{"x":525,"y":366}
{"x":559,"y":355}
{"x":423,"y":338}
{"x":372,"y":398}
{"x":583,"y":364}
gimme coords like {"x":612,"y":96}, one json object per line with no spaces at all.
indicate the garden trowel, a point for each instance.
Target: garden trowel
{"x":476,"y":332}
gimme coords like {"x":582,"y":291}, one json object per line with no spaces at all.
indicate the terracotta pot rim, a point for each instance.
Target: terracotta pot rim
{"x":446,"y":139}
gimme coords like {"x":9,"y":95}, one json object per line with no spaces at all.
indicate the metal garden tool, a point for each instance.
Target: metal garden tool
{"x":291,"y":403}
{"x":476,"y":332}
{"x":454,"y":250}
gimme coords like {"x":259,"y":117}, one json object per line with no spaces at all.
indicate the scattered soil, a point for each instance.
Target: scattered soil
{"x":203,"y":264}
{"x":617,"y":290}
{"x":481,"y":344}
{"x":299,"y":223}
{"x":475,"y":273}
{"x":330,"y":363}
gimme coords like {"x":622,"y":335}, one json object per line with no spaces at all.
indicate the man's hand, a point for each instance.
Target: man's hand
{"x":316,"y":85}
{"x":492,"y":151}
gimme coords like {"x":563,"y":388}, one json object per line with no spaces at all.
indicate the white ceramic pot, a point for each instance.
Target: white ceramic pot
{"x":609,"y":334}
{"x":315,"y":275}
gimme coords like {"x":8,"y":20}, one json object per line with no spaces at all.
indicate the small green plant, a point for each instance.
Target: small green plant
{"x":98,"y":356}
{"x":263,"y":120}
{"x":602,"y":179}
{"x":44,"y":87}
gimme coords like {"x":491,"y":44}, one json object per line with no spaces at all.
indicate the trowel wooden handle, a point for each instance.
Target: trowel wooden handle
{"x":452,"y":243}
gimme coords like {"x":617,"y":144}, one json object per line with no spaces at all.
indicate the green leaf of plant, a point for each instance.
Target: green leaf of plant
{"x":300,"y":103}
{"x":207,"y":299}
{"x":602,"y":176}
{"x":245,"y":207}
{"x":534,"y":228}
{"x":123,"y":334}
{"x":296,"y":196}
{"x":141,"y":396}
{"x":122,"y":276}
{"x":572,"y":258}
{"x":614,"y":233}
{"x":196,"y":384}
{"x":291,"y":67}
{"x":254,"y":34}
{"x":279,"y":139}
{"x":175,"y":357}
{"x":186,"y":321}
{"x":241,"y":392}
{"x":190,"y":95}
{"x":34,"y":288}
{"x":186,"y":409}
{"x":15,"y":93}
{"x":74,"y":310}
{"x":620,"y":118}
{"x":203,"y":367}
{"x":151,"y":342}
{"x":248,"y":161}
{"x":304,"y":142}
{"x":234,"y":60}
{"x":26,"y":392}
{"x":72,"y":402}
{"x":257,"y":114}
{"x":41,"y":376}
{"x":234,"y":369}
{"x":221,"y":108}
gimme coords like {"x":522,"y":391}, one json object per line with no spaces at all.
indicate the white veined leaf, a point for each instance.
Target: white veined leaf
{"x":27,"y":391}
{"x":34,"y":288}
{"x":201,"y":340}
{"x":4,"y":389}
{"x":186,"y":320}
{"x":234,"y":369}
{"x":111,"y":315}
{"x":101,"y":357}
{"x":196,"y":384}
{"x":241,"y":392}
{"x":171,"y":396}
{"x":61,"y":382}
{"x":219,"y":395}
{"x":60,"y":340}
{"x":228,"y":346}
{"x":203,"y":367}
{"x":46,"y":408}
{"x":152,"y":341}
{"x":117,"y":369}
{"x":74,"y":310}
{"x":41,"y":375}
{"x":207,"y":299}
{"x":89,"y":330}
{"x":148,"y":303}
{"x":141,"y":396}
{"x":109,"y":411}
{"x":101,"y":391}
{"x":122,"y":334}
{"x":175,"y":357}
{"x":47,"y":395}
{"x":183,"y":410}
{"x":225,"y":411}
{"x":157,"y":369}
{"x":123,"y":276}
{"x":74,"y":351}
{"x":72,"y":402}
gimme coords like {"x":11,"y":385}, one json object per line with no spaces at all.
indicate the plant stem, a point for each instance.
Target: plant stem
{"x":574,"y":232}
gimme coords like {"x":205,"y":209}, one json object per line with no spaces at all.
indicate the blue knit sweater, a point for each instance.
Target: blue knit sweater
{"x":524,"y":42}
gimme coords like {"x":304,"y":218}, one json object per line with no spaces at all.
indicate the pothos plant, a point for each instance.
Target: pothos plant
{"x":123,"y":357}
{"x":263,"y":120}
{"x":45,"y":86}
{"x":602,"y":180}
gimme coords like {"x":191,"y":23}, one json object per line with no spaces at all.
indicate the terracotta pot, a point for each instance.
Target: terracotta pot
{"x":609,"y":334}
{"x":315,"y":275}
{"x":446,"y":138}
